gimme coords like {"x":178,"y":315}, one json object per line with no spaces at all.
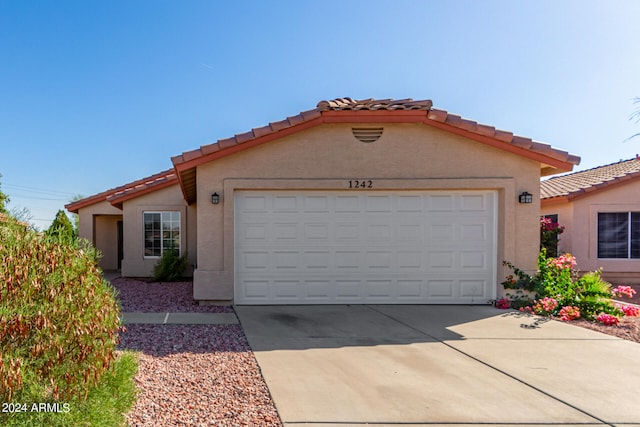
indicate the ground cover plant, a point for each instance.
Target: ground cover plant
{"x":59,"y":326}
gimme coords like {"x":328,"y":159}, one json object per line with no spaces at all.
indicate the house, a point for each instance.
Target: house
{"x":600,"y":210}
{"x":354,"y":201}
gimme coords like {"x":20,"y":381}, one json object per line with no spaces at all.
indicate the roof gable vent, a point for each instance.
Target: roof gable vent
{"x":367,"y":134}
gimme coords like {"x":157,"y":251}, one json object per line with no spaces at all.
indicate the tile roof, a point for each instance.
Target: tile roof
{"x":116,"y":196}
{"x":348,"y":110}
{"x":579,"y":183}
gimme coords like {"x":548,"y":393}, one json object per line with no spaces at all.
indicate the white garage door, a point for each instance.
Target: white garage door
{"x":337,"y":247}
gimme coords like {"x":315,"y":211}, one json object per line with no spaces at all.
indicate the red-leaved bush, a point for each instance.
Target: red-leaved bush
{"x":59,"y":320}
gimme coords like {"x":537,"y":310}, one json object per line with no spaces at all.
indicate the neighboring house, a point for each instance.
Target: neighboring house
{"x":369,"y":201}
{"x":600,"y":210}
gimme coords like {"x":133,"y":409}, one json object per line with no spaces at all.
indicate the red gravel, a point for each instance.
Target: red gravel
{"x":191,"y":375}
{"x":197,"y":375}
{"x":152,"y":297}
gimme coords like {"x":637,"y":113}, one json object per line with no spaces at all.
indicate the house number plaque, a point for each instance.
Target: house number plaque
{"x":357,"y":183}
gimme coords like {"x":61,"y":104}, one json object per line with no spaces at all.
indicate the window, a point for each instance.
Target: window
{"x":161,"y":233}
{"x":619,"y":235}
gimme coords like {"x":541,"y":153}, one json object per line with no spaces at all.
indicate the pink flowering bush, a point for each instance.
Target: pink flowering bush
{"x":568,"y":313}
{"x":607,"y":319}
{"x":561,"y":292}
{"x":503,"y":303}
{"x":630,"y":310}
{"x":545,"y":306}
{"x":620,"y":291}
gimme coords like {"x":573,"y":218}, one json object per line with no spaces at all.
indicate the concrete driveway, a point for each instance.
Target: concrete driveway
{"x":430,"y":365}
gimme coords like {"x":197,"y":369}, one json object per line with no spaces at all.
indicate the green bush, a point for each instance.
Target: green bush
{"x":62,"y":228}
{"x":170,"y":267}
{"x":557,"y":282}
{"x":59,"y":320}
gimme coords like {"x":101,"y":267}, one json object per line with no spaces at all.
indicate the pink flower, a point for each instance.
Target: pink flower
{"x":569,"y":312}
{"x":564,"y":261}
{"x":630,"y":310}
{"x":503,"y":303}
{"x":548,"y":225}
{"x":545,"y":305}
{"x":607,"y":319}
{"x":526,"y":309}
{"x":619,"y":291}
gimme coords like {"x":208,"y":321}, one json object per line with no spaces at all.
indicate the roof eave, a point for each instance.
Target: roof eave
{"x":547,"y":162}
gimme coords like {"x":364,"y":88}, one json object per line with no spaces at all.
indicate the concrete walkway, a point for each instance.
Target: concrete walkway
{"x":440,"y":365}
{"x":180,"y":318}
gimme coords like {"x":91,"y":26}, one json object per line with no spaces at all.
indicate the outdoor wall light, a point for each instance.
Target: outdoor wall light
{"x":215,"y":198}
{"x":525,"y":197}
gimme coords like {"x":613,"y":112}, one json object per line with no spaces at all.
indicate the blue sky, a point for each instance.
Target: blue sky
{"x":95,"y":94}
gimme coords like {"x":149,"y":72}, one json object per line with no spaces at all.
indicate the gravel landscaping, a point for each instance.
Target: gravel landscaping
{"x":154,"y":297}
{"x":191,"y":375}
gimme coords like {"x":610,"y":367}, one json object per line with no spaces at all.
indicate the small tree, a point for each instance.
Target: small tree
{"x":62,"y":228}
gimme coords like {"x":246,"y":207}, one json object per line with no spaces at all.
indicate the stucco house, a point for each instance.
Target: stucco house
{"x":600,"y":210}
{"x":354,"y":201}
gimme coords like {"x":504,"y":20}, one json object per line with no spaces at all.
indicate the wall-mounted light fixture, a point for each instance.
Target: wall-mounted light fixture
{"x":525,"y":197}
{"x":215,"y":198}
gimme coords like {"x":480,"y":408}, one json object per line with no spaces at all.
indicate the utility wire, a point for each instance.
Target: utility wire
{"x":37,"y":190}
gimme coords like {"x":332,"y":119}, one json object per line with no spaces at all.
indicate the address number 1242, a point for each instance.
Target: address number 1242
{"x":356,"y":183}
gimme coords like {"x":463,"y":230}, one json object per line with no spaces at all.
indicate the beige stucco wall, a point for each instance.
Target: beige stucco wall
{"x":135,"y":264}
{"x":98,"y":224}
{"x":406,"y":157}
{"x":581,"y":238}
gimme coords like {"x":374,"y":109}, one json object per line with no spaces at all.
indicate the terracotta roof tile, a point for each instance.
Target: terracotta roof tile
{"x":210,"y":148}
{"x":577,"y":183}
{"x":225,"y":143}
{"x":502,"y":135}
{"x":244,"y":137}
{"x":521,"y":141}
{"x":119,"y":194}
{"x":261,"y":131}
{"x":485,"y":130}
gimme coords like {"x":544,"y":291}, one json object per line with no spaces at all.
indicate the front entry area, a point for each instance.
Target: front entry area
{"x":364,"y":247}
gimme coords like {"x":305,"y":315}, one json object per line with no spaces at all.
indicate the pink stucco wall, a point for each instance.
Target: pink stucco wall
{"x":580,"y":238}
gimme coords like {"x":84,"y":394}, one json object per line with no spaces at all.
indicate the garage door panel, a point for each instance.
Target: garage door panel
{"x":364,"y":247}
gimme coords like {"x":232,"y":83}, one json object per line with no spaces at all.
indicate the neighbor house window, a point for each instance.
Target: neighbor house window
{"x":161,"y":233}
{"x":619,"y":235}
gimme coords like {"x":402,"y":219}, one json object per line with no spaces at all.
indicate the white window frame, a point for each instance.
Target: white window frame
{"x":145,"y":256}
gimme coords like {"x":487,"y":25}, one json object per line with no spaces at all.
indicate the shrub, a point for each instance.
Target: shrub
{"x":59,"y":320}
{"x":560,"y":292}
{"x":170,"y":267}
